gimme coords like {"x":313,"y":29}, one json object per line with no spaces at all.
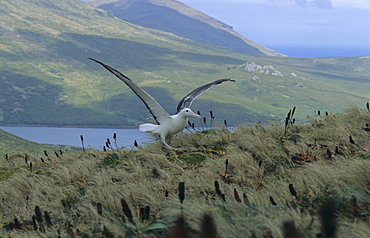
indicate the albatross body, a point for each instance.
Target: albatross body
{"x":173,"y":125}
{"x":167,"y":125}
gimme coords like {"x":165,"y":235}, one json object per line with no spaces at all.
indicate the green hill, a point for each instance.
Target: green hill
{"x":47,"y":79}
{"x":11,"y":144}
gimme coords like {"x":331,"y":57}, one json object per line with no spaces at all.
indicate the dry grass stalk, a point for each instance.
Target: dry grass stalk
{"x":272,"y":201}
{"x":182,"y":192}
{"x":166,"y":194}
{"x":290,"y":231}
{"x":289,"y":120}
{"x":218,"y":191}
{"x":236,"y":196}
{"x":330,"y":154}
{"x":141,"y":214}
{"x":180,"y":229}
{"x":292,"y":191}
{"x":351,"y":140}
{"x":34,"y":222}
{"x":208,"y":227}
{"x":13,"y":225}
{"x":147,"y":213}
{"x":328,"y":220}
{"x":212,"y":119}
{"x":39,"y":219}
{"x":48,"y":219}
{"x":127,"y":211}
{"x":107,"y":144}
{"x":38,"y":214}
{"x":99,"y":208}
{"x":82,"y":143}
{"x":106,"y":233}
{"x":144,"y":213}
{"x":355,"y":207}
{"x":245,"y":199}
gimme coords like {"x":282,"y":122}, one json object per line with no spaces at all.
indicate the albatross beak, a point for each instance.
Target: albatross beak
{"x":197,"y":116}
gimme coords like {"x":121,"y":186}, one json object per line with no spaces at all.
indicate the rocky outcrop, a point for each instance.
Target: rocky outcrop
{"x":266,"y":69}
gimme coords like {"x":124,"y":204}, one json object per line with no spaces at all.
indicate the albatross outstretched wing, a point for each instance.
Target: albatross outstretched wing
{"x":159,"y":114}
{"x":188,"y":99}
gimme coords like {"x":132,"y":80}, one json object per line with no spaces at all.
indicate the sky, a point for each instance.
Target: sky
{"x":294,"y":22}
{"x":318,"y":23}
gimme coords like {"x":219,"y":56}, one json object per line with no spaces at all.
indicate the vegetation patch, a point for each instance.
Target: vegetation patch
{"x":274,"y":180}
{"x":194,"y":158}
{"x":6,"y":173}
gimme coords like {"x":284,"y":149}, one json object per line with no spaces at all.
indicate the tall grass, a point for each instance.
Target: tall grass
{"x":227,"y":179}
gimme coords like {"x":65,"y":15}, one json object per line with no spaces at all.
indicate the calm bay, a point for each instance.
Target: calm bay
{"x":93,"y":137}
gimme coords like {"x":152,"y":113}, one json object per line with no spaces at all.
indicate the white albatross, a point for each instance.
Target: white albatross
{"x":167,"y":125}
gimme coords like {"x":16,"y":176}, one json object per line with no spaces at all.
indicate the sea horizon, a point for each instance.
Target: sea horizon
{"x":311,"y":51}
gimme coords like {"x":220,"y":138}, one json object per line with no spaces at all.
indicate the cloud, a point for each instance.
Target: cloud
{"x":302,"y":3}
{"x":321,"y":4}
{"x":324,"y":4}
{"x":328,"y":4}
{"x":359,"y":4}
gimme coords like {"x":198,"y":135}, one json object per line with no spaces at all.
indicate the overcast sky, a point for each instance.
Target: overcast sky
{"x":294,"y":22}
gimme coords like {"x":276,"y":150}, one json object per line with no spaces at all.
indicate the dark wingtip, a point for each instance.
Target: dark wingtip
{"x":97,"y":61}
{"x":231,"y":80}
{"x":218,"y":81}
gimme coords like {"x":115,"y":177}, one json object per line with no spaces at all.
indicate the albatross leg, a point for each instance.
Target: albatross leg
{"x":165,"y":143}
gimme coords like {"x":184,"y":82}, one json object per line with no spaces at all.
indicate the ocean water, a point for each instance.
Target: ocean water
{"x":93,"y":137}
{"x":321,"y":51}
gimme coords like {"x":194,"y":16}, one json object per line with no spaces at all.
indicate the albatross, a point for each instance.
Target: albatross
{"x":167,"y":125}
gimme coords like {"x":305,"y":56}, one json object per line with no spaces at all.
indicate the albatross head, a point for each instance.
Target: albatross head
{"x":187,"y":112}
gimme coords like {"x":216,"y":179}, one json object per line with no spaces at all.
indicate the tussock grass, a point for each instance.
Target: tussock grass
{"x":306,"y":169}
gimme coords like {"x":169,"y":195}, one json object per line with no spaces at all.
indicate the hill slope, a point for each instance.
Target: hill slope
{"x":251,"y":181}
{"x":177,"y":18}
{"x":47,"y":78}
{"x":10,"y":144}
{"x":45,"y":46}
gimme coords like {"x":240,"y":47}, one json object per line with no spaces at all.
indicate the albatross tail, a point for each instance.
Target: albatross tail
{"x":148,"y":127}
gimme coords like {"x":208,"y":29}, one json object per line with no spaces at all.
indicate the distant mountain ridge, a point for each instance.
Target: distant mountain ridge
{"x":177,"y":18}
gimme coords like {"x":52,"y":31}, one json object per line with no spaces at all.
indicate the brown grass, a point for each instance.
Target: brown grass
{"x":82,"y":193}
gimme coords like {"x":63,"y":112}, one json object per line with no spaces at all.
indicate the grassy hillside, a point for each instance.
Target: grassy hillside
{"x":181,"y":20}
{"x":47,"y":79}
{"x":12,"y":145}
{"x":303,"y":180}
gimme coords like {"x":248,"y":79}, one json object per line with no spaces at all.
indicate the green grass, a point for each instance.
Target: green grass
{"x":10,"y":144}
{"x":83,"y":192}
